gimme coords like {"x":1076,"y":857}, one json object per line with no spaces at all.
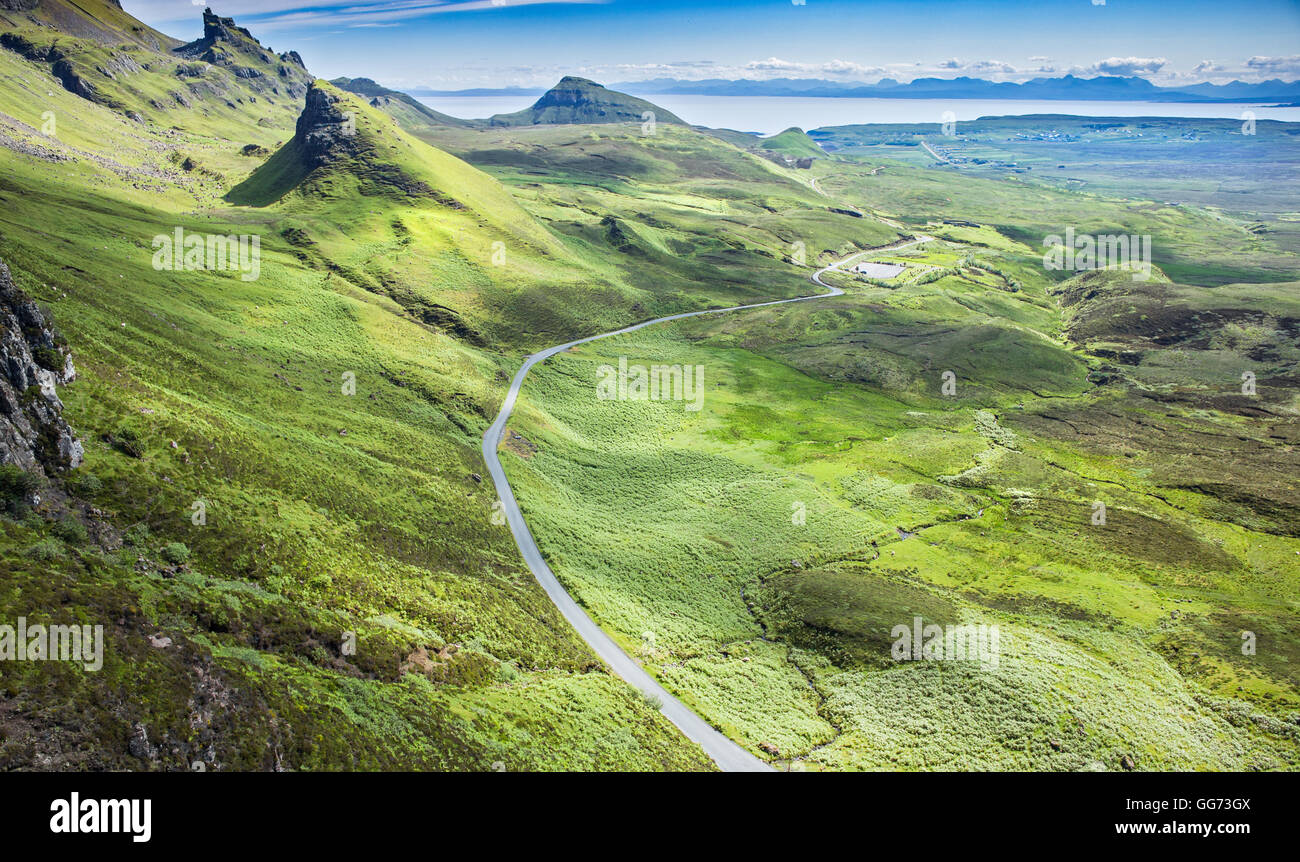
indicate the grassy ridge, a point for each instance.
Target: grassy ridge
{"x":326,"y":514}
{"x":795,"y":143}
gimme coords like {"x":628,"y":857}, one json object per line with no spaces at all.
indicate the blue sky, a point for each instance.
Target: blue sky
{"x":453,"y":44}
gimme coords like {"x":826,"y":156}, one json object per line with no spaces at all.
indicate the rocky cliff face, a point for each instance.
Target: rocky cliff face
{"x":218,"y":29}
{"x":225,"y":43}
{"x":323,"y":129}
{"x":33,"y":433}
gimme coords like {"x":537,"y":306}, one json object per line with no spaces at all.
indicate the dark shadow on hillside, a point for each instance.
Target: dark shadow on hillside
{"x":277,"y":176}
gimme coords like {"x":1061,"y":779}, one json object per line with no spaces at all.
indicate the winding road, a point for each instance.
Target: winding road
{"x":729,"y":756}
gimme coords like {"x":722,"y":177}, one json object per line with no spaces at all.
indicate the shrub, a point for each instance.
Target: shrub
{"x":136,"y":535}
{"x":71,"y":530}
{"x":16,"y":486}
{"x":48,"y":358}
{"x":175,"y":553}
{"x":85,"y":485}
{"x":507,"y":672}
{"x":127,"y":441}
{"x":46,"y":550}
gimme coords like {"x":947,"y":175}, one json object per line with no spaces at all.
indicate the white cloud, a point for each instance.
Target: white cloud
{"x":263,"y":16}
{"x":967,"y":67}
{"x":1129,"y":65}
{"x":1272,"y":66}
{"x":986,"y":67}
{"x":831,"y":68}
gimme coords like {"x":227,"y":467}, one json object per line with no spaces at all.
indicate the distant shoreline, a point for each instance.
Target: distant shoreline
{"x":767,"y":115}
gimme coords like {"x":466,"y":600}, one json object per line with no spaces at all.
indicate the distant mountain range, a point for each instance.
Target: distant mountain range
{"x":1069,"y":87}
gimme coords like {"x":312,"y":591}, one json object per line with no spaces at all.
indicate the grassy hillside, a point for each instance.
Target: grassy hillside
{"x":689,"y":220}
{"x":225,"y":85}
{"x":385,"y":263}
{"x":794,"y":143}
{"x":331,"y":520}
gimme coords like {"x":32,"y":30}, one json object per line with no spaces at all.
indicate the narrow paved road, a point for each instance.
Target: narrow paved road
{"x":729,"y":756}
{"x":929,"y":149}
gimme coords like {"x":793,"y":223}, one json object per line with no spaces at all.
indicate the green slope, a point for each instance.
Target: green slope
{"x":794,"y":143}
{"x":686,"y":219}
{"x":327,"y":513}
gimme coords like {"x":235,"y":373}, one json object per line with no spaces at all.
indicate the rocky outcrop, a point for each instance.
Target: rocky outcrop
{"x":226,"y":44}
{"x":33,"y":433}
{"x":327,"y":136}
{"x":217,"y":29}
{"x":219,"y":35}
{"x":28,"y":49}
{"x":324,"y":131}
{"x":73,"y":81}
{"x":119,"y":64}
